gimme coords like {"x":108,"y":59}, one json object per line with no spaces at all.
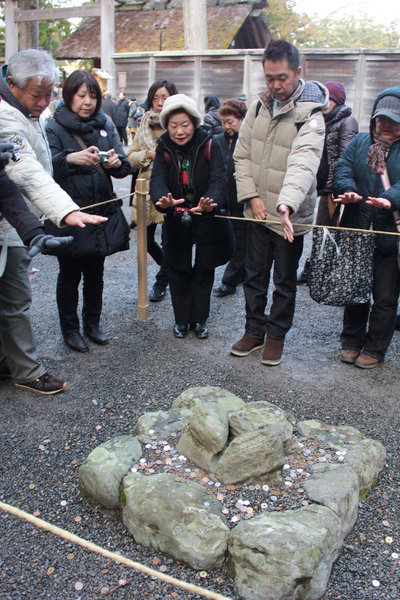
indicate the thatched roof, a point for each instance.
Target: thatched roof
{"x":135,"y":32}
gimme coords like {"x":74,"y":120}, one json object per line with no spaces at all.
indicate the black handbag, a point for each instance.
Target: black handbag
{"x":341,"y":266}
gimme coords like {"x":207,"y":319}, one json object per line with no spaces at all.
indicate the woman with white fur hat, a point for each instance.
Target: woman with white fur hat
{"x":189,"y":184}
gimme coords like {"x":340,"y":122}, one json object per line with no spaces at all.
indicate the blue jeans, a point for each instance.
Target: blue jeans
{"x":264,"y":248}
{"x":374,"y":337}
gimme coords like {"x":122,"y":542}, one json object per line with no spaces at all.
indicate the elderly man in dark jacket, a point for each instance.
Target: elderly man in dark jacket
{"x":109,"y":107}
{"x":121,"y":118}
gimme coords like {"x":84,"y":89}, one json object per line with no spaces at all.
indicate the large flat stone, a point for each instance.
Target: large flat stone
{"x":257,"y":415}
{"x":102,"y":472}
{"x":288,"y":555}
{"x":208,"y":394}
{"x":253,"y":456}
{"x":209,"y":424}
{"x":163,"y":422}
{"x":190,"y":447}
{"x":336,"y":487}
{"x":170,"y":517}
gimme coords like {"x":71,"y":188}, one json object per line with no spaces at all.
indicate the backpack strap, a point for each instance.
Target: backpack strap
{"x":167,"y":158}
{"x":258,"y":108}
{"x":206,"y":154}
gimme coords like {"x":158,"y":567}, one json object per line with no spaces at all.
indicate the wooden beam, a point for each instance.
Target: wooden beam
{"x":52,"y":14}
{"x":11,"y":29}
{"x":107,"y":40}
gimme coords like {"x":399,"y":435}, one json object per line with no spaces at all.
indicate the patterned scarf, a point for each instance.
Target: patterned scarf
{"x":377,"y":153}
{"x":149,"y":120}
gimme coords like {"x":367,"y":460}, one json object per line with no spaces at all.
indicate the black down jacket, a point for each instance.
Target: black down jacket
{"x":85,"y":184}
{"x":213,"y":237}
{"x":228,"y":147}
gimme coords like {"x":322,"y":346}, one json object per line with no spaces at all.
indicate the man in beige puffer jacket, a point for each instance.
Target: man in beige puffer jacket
{"x":277,"y":158}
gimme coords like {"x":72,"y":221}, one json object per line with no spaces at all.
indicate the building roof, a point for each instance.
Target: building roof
{"x":230,"y":24}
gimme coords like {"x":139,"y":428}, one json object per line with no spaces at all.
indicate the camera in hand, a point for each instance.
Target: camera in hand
{"x":103,"y":157}
{"x":186,"y":217}
{"x":15,"y":156}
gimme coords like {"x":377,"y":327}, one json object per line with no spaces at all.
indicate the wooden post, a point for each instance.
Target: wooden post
{"x":11,"y":28}
{"x":107,"y":40}
{"x":143,"y":303}
{"x":195,"y":25}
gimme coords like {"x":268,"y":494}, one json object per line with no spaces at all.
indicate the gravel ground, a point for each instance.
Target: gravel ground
{"x":144,"y":369}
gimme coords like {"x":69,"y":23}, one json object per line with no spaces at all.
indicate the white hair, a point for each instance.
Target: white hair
{"x":32,"y":64}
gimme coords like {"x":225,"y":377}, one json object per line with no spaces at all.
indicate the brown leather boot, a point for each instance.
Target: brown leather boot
{"x":272,"y":353}
{"x":246,"y":345}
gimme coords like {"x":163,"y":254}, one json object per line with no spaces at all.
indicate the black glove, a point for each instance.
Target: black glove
{"x":45,"y":243}
{"x":5,"y":153}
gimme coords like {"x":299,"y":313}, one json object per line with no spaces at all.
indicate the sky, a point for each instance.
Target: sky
{"x":382,"y":11}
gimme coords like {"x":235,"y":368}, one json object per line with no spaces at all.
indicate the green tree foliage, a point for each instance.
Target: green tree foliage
{"x":334,"y":31}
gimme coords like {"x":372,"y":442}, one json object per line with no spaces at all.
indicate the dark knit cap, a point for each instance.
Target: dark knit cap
{"x":336,"y":91}
{"x":388,"y":106}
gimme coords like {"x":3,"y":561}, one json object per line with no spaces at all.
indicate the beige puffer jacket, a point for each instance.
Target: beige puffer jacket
{"x":33,"y":172}
{"x":138,"y":160}
{"x":277,"y":158}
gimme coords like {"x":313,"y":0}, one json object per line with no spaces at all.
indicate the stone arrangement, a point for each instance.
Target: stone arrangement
{"x":183,"y":501}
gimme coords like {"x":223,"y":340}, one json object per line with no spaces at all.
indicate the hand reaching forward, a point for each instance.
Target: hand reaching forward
{"x":348,"y":198}
{"x":86,"y":157}
{"x":78,"y":219}
{"x":169,"y":201}
{"x":288,"y":231}
{"x":204,"y":205}
{"x":379,"y":202}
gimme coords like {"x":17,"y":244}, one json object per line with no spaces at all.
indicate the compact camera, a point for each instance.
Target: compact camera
{"x":185,"y":216}
{"x":103,"y":157}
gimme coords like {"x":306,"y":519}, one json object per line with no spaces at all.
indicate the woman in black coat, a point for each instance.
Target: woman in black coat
{"x":189,"y":175}
{"x":77,"y":134}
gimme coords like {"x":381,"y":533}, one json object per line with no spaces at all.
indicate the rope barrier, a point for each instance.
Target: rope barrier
{"x":74,"y":539}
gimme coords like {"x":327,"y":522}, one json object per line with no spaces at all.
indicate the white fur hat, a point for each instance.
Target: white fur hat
{"x":176,"y":102}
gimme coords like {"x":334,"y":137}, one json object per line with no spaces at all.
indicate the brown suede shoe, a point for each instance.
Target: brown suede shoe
{"x":246,"y":345}
{"x":272,"y":353}
{"x":349,"y":356}
{"x":364,"y":361}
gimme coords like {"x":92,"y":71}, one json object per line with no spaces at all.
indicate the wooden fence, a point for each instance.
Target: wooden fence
{"x":228,"y":73}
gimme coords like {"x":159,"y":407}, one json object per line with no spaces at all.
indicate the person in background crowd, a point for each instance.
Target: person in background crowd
{"x":109,"y":107}
{"x":141,"y":156}
{"x":212,"y":119}
{"x":80,"y":130}
{"x":368,"y":330}
{"x":26,"y":87}
{"x":341,"y":127}
{"x":232,"y":114}
{"x":132,"y":125}
{"x":277,"y":157}
{"x":121,"y":117}
{"x":189,"y":173}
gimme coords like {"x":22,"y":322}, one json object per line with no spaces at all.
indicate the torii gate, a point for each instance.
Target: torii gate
{"x":103,"y":9}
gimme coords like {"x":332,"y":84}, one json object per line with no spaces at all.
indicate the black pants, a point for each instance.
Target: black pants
{"x":191,"y":293}
{"x":235,"y":269}
{"x":157,"y":253}
{"x":265,"y":247}
{"x":71,"y":271}
{"x":374,"y":337}
{"x":123,"y":135}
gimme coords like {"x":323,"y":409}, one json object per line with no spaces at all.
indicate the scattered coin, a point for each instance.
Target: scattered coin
{"x":389,"y":540}
{"x":231,"y":488}
{"x":148,"y":490}
{"x":225,"y":511}
{"x":385,"y":523}
{"x":50,"y":570}
{"x":156,"y":561}
{"x":220,"y":497}
{"x":394,"y":555}
{"x":78,"y":519}
{"x":36,"y":513}
{"x":78,"y":586}
{"x":375,"y":583}
{"x":206,"y":503}
{"x":104,"y":591}
{"x":163,"y":568}
{"x":31,"y":486}
{"x":265,"y":488}
{"x":98,"y":427}
{"x":67,"y":447}
{"x":203,"y":574}
{"x":70,"y":556}
{"x":264,"y":506}
{"x":63,"y":503}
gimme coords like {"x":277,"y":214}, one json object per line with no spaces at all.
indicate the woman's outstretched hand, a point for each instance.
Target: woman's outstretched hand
{"x":348,"y":198}
{"x":113,"y":160}
{"x":169,"y":201}
{"x":204,"y":205}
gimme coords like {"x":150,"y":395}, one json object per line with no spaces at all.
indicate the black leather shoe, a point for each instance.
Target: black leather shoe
{"x":201,"y":331}
{"x":76,"y":342}
{"x":303,"y":277}
{"x":181,"y":331}
{"x":157,"y":293}
{"x":97,"y":336}
{"x":224,"y":290}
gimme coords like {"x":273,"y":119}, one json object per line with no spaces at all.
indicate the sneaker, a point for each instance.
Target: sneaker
{"x":364,"y":361}
{"x":349,"y":356}
{"x":201,"y":331}
{"x":272,"y":353}
{"x":181,"y":331}
{"x":45,"y":384}
{"x":157,"y":293}
{"x":246,"y":345}
{"x":224,"y":289}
